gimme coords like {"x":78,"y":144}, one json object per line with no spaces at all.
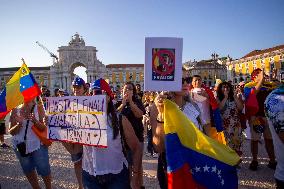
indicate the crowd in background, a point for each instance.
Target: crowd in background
{"x":134,"y":115}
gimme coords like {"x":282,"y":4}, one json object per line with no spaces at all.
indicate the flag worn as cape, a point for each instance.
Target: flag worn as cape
{"x":251,"y":102}
{"x":195,"y":160}
{"x":21,"y":88}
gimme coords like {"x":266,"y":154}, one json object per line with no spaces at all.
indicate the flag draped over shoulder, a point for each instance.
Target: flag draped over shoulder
{"x":22,"y":87}
{"x":195,"y":160}
{"x":251,"y":102}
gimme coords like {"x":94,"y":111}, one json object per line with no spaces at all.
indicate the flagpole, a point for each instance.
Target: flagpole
{"x":23,"y":61}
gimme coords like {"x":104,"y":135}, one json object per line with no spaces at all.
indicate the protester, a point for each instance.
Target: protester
{"x":87,"y":89}
{"x":255,"y":94}
{"x":32,"y":154}
{"x":56,"y":92}
{"x":230,"y":106}
{"x":148,"y":102}
{"x":2,"y":133}
{"x":139,"y":91}
{"x":208,"y":106}
{"x":76,"y":150}
{"x":106,"y":167}
{"x":274,"y":109}
{"x":156,"y":120}
{"x":131,"y":114}
{"x":61,"y":93}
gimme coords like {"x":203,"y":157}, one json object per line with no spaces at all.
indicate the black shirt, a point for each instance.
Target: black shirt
{"x":135,"y":122}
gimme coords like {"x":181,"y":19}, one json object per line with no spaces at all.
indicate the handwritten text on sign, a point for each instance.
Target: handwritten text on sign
{"x":78,"y":119}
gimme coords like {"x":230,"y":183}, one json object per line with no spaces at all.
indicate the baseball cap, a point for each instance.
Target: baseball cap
{"x":78,"y":82}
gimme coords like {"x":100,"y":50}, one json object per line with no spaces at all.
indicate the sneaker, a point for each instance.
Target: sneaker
{"x":253,"y":165}
{"x":4,"y":146}
{"x":272,"y":165}
{"x":155,"y":155}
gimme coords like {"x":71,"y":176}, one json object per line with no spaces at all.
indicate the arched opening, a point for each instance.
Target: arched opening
{"x":80,"y":70}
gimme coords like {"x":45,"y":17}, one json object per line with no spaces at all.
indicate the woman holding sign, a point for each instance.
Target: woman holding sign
{"x":106,"y":167}
{"x":32,"y":154}
{"x":76,"y":150}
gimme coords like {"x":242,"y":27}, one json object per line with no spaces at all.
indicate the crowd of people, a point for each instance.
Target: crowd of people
{"x":222,"y":113}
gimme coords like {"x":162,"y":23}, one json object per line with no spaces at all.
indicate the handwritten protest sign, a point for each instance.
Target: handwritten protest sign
{"x":78,"y":119}
{"x":163,"y":64}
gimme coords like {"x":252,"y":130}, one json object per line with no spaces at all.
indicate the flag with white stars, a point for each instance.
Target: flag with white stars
{"x":193,"y":159}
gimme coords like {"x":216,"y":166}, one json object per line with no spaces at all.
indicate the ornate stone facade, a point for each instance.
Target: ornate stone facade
{"x":60,"y":74}
{"x":271,"y":60}
{"x":71,"y":56}
{"x":209,"y":70}
{"x":118,"y":74}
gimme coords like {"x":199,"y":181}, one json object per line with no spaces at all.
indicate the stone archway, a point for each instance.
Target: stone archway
{"x":73,"y":67}
{"x":74,"y":55}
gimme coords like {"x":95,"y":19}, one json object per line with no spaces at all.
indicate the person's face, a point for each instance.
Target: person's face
{"x":60,"y":93}
{"x":196,"y":82}
{"x":43,"y":89}
{"x":87,"y":85}
{"x":138,"y":88}
{"x":225,"y":88}
{"x":78,"y":90}
{"x":127,"y":88}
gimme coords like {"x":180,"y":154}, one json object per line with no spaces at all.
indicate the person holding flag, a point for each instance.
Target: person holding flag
{"x":32,"y":154}
{"x":255,"y":95}
{"x":187,"y":157}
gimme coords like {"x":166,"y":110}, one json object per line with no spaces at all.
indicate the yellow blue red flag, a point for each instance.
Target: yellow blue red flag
{"x":193,"y":159}
{"x":21,"y":88}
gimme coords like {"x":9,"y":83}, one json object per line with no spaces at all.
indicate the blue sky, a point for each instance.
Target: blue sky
{"x":118,"y":28}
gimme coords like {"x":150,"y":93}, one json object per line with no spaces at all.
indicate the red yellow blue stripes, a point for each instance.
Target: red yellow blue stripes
{"x":199,"y":161}
{"x":22,"y":87}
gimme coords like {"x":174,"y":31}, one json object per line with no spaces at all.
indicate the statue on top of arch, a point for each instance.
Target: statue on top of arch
{"x":76,"y":41}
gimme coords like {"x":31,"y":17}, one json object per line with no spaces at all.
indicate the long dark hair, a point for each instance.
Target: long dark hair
{"x":220,"y":94}
{"x":114,"y":121}
{"x":134,"y":97}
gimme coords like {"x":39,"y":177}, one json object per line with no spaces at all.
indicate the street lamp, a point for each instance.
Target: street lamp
{"x":214,"y":61}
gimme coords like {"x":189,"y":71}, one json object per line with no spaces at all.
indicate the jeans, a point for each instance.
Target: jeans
{"x":38,"y":160}
{"x":107,"y":181}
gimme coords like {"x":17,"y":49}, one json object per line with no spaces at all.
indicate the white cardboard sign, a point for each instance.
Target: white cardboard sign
{"x":78,"y":119}
{"x":163,"y":64}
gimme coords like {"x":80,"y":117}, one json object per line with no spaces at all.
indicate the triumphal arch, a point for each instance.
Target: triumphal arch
{"x":72,"y":56}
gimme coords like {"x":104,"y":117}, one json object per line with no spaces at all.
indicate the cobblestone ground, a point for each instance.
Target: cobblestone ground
{"x":11,"y":176}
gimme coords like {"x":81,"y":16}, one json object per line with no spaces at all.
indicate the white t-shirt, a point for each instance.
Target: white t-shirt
{"x":204,"y":106}
{"x":100,"y":161}
{"x":32,"y":141}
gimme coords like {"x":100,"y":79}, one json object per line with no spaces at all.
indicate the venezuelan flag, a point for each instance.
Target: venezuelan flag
{"x":22,"y":87}
{"x":193,"y":159}
{"x":251,"y":101}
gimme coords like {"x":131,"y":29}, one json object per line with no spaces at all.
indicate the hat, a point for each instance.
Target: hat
{"x":60,"y":90}
{"x":101,"y":84}
{"x":78,"y":81}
